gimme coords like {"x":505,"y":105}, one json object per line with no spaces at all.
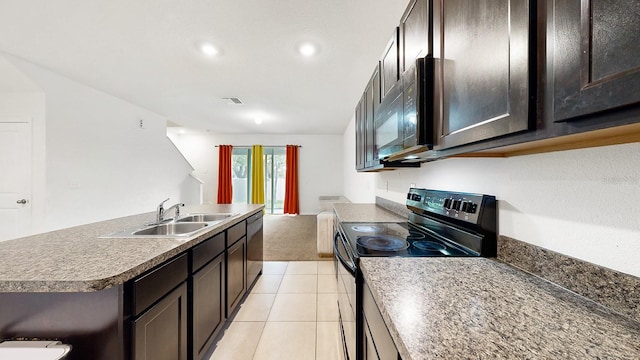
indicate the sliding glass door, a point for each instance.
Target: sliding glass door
{"x":274,"y":160}
{"x":241,"y":174}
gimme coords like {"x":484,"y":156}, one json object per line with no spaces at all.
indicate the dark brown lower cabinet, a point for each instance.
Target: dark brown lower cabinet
{"x":378,"y":344}
{"x":171,"y":312}
{"x":208,"y":305}
{"x":236,"y":274}
{"x":160,"y":333}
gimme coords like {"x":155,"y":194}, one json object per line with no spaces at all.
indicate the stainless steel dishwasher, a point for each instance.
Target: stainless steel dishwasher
{"x":254,"y":247}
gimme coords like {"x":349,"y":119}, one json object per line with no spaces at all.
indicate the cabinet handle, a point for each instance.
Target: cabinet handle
{"x":22,"y":201}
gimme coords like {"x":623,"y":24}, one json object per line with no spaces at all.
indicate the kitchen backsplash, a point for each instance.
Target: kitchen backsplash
{"x":394,"y":207}
{"x":615,"y":290}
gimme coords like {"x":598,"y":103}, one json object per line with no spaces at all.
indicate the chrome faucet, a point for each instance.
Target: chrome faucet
{"x":161,"y":210}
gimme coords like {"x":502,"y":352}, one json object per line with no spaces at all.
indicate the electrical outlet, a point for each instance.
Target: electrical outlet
{"x":412,"y":185}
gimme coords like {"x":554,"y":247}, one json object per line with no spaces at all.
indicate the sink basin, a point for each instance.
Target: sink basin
{"x":171,"y":229}
{"x":203,"y":218}
{"x":187,"y":225}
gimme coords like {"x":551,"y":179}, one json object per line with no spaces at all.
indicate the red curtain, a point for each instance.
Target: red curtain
{"x":291,"y":203}
{"x":225,"y":189}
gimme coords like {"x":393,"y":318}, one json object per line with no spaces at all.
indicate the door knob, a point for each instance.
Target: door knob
{"x":22,"y":201}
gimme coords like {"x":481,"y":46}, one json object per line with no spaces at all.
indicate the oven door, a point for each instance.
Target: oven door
{"x":346,"y":281}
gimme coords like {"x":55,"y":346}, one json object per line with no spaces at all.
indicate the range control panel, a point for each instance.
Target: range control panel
{"x":461,"y":206}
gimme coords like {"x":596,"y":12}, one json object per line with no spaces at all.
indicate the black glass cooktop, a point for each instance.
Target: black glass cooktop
{"x":398,"y":239}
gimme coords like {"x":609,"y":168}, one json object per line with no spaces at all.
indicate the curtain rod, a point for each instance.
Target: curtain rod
{"x":248,"y":146}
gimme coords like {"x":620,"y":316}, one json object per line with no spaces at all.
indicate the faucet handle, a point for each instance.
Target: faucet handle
{"x":162,"y":203}
{"x":160,"y":211}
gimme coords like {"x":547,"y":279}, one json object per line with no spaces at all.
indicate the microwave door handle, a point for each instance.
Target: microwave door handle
{"x":349,"y":267}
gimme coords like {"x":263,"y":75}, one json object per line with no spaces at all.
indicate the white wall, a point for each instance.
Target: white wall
{"x":358,"y":187}
{"x":99,"y":164}
{"x":319,"y":163}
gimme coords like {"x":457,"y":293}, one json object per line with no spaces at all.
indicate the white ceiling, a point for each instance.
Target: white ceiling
{"x":146,"y":52}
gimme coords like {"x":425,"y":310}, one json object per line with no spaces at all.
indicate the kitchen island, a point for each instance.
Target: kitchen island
{"x":462,"y":308}
{"x":80,"y":259}
{"x":112,"y":297}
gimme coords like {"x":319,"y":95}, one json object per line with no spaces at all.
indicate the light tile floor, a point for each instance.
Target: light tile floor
{"x":290,"y":313}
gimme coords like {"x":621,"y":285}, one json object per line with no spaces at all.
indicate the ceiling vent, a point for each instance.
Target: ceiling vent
{"x":233,"y":101}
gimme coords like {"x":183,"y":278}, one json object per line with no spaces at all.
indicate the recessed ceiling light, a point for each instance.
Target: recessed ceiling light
{"x":258,"y":121}
{"x":208,"y":49}
{"x":307,"y":49}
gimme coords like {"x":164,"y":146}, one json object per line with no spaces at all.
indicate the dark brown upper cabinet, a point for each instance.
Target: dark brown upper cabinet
{"x":360,"y":133}
{"x":372,"y":101}
{"x":485,"y":69}
{"x":596,"y":62}
{"x":390,"y":66}
{"x":415,"y":33}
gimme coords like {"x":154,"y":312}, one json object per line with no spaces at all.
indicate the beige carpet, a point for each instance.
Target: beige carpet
{"x":290,"y":238}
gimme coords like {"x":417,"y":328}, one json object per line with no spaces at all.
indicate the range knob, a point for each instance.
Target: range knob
{"x":469,"y":207}
{"x":447,"y":203}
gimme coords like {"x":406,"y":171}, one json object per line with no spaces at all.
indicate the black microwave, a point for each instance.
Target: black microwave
{"x":404,"y":121}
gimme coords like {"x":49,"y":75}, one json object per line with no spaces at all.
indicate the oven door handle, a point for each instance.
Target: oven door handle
{"x":350,"y":267}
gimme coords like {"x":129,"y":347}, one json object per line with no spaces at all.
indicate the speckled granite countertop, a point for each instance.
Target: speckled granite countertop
{"x":365,"y":213}
{"x":463,"y":308}
{"x":78,"y":260}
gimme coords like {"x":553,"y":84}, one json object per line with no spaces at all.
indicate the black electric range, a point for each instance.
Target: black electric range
{"x":440,"y":223}
{"x":399,"y":239}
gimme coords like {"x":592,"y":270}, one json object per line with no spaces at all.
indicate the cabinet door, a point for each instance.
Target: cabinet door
{"x":372,"y":100}
{"x":596,"y":56}
{"x":161,"y":332}
{"x":374,"y":327}
{"x":389,"y":66}
{"x":208,"y":305}
{"x":360,"y":135}
{"x":482,"y":74}
{"x":414,"y":33}
{"x":236,"y":274}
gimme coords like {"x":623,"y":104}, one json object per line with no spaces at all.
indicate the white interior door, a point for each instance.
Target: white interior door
{"x":15,"y":180}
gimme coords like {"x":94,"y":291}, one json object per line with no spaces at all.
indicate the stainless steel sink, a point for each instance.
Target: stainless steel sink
{"x":190,"y":218}
{"x":185,"y":226}
{"x":171,"y":229}
{"x":163,"y":230}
